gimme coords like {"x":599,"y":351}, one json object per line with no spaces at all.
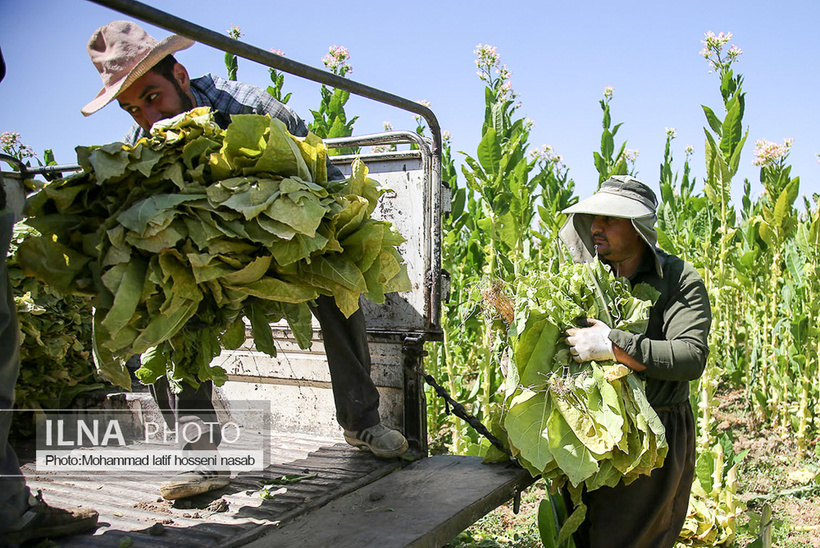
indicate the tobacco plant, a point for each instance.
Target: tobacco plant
{"x":758,"y":259}
{"x":277,"y":79}
{"x":331,"y":120}
{"x":607,"y":161}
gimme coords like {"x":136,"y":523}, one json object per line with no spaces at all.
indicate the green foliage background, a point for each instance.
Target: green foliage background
{"x":759,"y":260}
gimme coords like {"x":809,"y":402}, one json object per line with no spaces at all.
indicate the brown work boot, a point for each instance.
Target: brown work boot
{"x":42,"y":521}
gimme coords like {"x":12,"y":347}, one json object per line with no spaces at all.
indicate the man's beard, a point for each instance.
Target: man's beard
{"x":184,"y":100}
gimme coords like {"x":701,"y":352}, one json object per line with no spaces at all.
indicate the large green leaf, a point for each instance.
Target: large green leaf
{"x":110,"y":162}
{"x":299,"y":248}
{"x":338,"y":271}
{"x":713,"y":120}
{"x":768,"y":234}
{"x":785,"y":202}
{"x":548,"y":523}
{"x":535,"y":349}
{"x":163,"y":327}
{"x":573,"y":456}
{"x":718,"y":184}
{"x":526,"y":425}
{"x":277,"y":290}
{"x":251,"y":198}
{"x":360,"y":185}
{"x":254,"y":271}
{"x":109,"y":366}
{"x":304,"y":216}
{"x":52,"y":262}
{"x":581,"y":419}
{"x":260,"y":326}
{"x":666,"y":243}
{"x":299,"y":317}
{"x":489,"y":151}
{"x":126,"y":296}
{"x":732,"y":129}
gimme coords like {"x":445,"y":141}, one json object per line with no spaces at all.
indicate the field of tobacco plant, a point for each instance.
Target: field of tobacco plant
{"x":757,"y":404}
{"x":758,"y":401}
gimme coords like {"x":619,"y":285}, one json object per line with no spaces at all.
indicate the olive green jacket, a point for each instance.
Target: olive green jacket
{"x":675,"y":346}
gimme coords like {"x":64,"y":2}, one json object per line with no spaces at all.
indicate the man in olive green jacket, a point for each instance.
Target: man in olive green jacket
{"x":616,"y":225}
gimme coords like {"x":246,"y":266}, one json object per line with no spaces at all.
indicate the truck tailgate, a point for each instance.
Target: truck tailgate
{"x":424,"y":505}
{"x":130,"y":505}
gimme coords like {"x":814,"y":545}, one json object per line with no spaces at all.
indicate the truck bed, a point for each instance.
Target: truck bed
{"x":350,"y":499}
{"x":130,"y":505}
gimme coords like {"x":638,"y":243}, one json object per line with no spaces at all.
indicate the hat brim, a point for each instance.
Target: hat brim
{"x":611,"y":205}
{"x":164,"y":47}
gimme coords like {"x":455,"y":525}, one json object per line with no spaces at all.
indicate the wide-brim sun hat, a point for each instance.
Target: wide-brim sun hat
{"x":619,"y":196}
{"x":122,"y":52}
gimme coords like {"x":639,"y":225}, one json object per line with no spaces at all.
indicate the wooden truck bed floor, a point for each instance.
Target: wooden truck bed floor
{"x":354,"y":499}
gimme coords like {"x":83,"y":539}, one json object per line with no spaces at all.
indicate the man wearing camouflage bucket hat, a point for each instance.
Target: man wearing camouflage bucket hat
{"x":616,"y":225}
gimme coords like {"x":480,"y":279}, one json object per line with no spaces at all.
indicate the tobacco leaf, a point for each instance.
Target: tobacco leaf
{"x":194,"y":228}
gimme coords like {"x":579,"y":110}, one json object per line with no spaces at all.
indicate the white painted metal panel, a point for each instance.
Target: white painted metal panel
{"x":405,"y":206}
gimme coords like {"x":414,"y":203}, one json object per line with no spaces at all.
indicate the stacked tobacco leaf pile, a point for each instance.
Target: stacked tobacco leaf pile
{"x":55,"y":352}
{"x":185,"y":234}
{"x":576,"y":424}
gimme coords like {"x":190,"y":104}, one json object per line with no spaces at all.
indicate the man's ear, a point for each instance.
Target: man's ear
{"x":181,"y":76}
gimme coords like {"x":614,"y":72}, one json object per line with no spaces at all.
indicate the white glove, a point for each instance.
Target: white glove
{"x":590,"y":343}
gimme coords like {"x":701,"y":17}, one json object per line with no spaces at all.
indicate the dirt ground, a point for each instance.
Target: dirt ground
{"x":772,"y":472}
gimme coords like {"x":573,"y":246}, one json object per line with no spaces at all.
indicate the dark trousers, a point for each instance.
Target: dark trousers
{"x":348,"y":356}
{"x":13,"y":490}
{"x":650,"y":511}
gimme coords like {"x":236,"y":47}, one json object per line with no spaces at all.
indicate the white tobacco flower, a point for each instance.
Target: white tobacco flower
{"x":487,"y":58}
{"x":768,"y":153}
{"x":336,"y":60}
{"x":630,"y":155}
{"x":235,"y":32}
{"x":713,"y":49}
